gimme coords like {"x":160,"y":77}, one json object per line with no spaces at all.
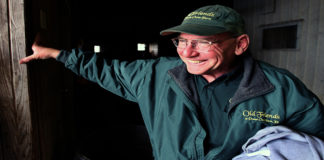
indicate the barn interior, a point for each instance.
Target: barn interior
{"x":70,"y":118}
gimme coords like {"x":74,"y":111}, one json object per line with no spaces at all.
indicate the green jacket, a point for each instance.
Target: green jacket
{"x":167,"y":97}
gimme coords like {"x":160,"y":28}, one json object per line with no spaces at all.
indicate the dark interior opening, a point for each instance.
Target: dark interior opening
{"x":283,"y":37}
{"x":104,"y":125}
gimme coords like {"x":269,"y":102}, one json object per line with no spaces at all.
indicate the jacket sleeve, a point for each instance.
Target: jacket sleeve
{"x":310,"y":120}
{"x":119,"y":77}
{"x":304,"y":110}
{"x":300,"y":108}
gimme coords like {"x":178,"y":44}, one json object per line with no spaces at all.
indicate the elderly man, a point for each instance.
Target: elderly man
{"x":208,"y":102}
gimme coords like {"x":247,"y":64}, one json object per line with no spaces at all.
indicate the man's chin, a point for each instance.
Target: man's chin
{"x":195,"y":71}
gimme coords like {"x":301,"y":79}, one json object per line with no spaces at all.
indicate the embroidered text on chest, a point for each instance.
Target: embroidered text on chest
{"x":250,"y":115}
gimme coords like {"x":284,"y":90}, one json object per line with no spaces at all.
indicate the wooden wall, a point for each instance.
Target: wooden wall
{"x":307,"y":60}
{"x":15,"y":116}
{"x":36,"y":109}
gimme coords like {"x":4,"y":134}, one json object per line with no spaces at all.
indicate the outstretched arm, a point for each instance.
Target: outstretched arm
{"x":40,"y":52}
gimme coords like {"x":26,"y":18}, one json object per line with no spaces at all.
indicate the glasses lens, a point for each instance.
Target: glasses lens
{"x":199,"y":45}
{"x":203,"y":45}
{"x":182,"y":43}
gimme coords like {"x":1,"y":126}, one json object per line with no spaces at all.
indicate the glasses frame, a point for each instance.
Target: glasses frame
{"x":194,"y":45}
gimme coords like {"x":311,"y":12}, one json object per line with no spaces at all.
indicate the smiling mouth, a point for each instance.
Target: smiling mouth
{"x":195,"y":62}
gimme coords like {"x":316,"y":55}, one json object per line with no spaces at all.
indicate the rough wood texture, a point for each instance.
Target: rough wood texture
{"x":307,"y":60}
{"x":15,"y":120}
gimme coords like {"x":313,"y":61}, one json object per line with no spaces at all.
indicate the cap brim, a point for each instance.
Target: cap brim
{"x":195,"y":29}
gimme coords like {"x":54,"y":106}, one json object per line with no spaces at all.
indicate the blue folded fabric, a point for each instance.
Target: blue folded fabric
{"x":282,"y":143}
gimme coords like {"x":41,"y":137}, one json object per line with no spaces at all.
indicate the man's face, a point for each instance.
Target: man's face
{"x":214,"y":62}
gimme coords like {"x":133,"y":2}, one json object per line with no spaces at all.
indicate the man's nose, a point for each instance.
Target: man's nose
{"x":189,"y":51}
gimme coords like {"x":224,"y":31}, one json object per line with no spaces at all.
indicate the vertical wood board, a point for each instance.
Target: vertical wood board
{"x":14,"y":100}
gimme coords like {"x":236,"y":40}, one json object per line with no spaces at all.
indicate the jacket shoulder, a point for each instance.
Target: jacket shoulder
{"x":278,"y":74}
{"x":166,"y":63}
{"x":286,"y":81}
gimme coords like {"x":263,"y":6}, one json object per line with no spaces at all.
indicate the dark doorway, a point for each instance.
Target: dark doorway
{"x":104,"y":125}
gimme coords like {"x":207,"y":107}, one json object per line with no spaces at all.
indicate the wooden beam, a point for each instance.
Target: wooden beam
{"x":15,"y":120}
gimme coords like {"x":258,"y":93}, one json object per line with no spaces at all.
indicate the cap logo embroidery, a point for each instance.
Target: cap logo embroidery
{"x":200,"y":15}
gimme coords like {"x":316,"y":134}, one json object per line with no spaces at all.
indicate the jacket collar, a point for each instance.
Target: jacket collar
{"x":254,"y":82}
{"x":185,"y":81}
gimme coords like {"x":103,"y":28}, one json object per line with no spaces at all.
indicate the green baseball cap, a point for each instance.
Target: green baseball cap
{"x":210,"y":20}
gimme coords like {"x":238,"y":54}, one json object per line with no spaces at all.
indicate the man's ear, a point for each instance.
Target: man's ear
{"x":242,"y":44}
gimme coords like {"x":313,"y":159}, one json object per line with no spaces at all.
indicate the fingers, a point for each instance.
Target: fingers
{"x":27,"y":59}
{"x":40,"y":52}
{"x":36,"y":48}
{"x":31,"y":57}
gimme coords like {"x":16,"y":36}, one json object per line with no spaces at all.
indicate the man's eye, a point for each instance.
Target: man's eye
{"x":182,"y":40}
{"x":203,"y":42}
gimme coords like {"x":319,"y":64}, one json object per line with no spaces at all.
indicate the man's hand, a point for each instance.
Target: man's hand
{"x":40,"y":52}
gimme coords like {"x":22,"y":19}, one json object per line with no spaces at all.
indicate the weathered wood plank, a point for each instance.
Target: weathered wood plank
{"x":6,"y":95}
{"x":20,"y":79}
{"x":318,"y":81}
{"x":300,"y":56}
{"x":311,"y":43}
{"x":283,"y":16}
{"x":15,"y":122}
{"x":291,"y":61}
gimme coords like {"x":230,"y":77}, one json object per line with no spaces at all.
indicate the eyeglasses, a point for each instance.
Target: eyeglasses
{"x":197,"y":44}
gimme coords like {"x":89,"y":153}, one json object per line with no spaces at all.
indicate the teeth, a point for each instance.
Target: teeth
{"x":194,"y":61}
